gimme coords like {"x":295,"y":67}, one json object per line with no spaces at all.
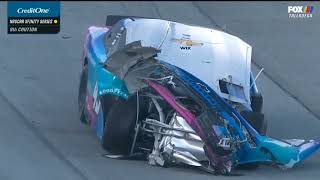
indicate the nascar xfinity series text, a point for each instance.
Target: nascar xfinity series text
{"x":33,"y":25}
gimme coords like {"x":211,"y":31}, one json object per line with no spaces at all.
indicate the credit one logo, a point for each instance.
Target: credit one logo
{"x":300,"y":11}
{"x":33,"y":11}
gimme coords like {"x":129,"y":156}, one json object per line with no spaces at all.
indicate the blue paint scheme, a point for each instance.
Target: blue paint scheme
{"x":97,"y":54}
{"x":107,"y":82}
{"x":254,"y":88}
{"x":100,"y":124}
{"x":266,"y":150}
{"x":277,"y":151}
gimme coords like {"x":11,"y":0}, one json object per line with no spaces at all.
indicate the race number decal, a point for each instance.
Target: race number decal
{"x":96,"y":102}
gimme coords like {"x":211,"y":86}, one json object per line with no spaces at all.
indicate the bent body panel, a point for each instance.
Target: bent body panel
{"x":266,"y":149}
{"x":185,"y":65}
{"x":100,"y":80}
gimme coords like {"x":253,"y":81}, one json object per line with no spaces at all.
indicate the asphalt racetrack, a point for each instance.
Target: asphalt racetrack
{"x":42,"y":138}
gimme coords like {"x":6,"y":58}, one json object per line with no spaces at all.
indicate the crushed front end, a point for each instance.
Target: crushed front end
{"x":183,"y":120}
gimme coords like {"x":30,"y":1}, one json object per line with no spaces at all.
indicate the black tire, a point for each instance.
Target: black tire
{"x":256,"y":117}
{"x":82,"y":92}
{"x":257,"y":102}
{"x":257,"y":121}
{"x":119,"y":126}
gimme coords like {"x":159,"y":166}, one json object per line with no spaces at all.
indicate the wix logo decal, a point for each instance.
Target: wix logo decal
{"x":185,"y":47}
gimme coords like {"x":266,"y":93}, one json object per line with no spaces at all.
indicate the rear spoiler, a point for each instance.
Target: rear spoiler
{"x":113,"y":19}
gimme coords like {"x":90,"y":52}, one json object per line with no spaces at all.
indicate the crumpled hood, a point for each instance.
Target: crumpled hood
{"x":208,"y":54}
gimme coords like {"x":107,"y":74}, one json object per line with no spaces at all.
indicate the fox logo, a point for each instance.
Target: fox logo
{"x":300,"y":9}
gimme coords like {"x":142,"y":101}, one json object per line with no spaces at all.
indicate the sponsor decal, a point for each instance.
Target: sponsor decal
{"x":300,"y":11}
{"x":96,"y":102}
{"x":203,"y":87}
{"x":186,"y":43}
{"x":33,"y":11}
{"x":115,"y":91}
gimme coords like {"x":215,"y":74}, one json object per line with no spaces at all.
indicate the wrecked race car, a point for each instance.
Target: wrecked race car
{"x":177,"y":93}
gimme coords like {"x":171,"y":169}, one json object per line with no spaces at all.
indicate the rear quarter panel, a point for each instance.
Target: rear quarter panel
{"x":100,"y":81}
